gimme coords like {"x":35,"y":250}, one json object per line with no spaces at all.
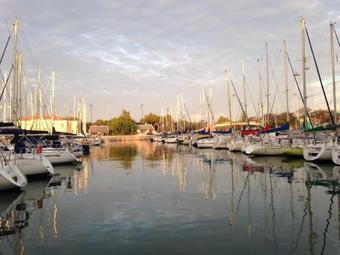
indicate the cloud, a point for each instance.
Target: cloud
{"x":120,"y":54}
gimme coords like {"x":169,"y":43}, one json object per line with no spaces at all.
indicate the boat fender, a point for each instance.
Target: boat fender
{"x":39,"y":149}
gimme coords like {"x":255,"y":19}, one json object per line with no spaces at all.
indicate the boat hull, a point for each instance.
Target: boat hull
{"x":336,"y":155}
{"x":258,"y":150}
{"x":31,"y":165}
{"x":318,"y":152}
{"x":235,"y":146}
{"x":59,"y":157}
{"x":11,"y":178}
{"x":293,"y":151}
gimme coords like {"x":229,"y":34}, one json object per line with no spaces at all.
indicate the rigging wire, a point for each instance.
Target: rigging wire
{"x":319,"y":75}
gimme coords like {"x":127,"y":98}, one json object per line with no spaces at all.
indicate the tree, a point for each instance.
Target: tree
{"x":101,"y":122}
{"x":222,"y":119}
{"x":123,"y":125}
{"x":152,"y":119}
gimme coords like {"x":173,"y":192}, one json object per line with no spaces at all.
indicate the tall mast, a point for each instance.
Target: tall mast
{"x":244,"y":89}
{"x":19,"y":88}
{"x":229,"y":96}
{"x":267,"y":80}
{"x":5,"y":99}
{"x":333,"y":69}
{"x":303,"y":71}
{"x":14,"y":96}
{"x":38,"y":104}
{"x":52,"y":103}
{"x":260,"y":92}
{"x":286,"y":76}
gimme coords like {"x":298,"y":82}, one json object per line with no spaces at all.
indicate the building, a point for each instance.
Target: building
{"x":46,"y":123}
{"x":99,"y":130}
{"x":145,"y":129}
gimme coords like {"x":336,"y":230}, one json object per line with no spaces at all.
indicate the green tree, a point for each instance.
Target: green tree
{"x":152,"y":119}
{"x":222,"y":119}
{"x":123,"y":125}
{"x":101,"y":122}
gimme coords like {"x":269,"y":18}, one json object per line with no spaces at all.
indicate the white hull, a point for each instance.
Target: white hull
{"x":221,"y":143}
{"x":205,"y":143}
{"x":30,"y":164}
{"x":77,"y":154}
{"x":57,"y":156}
{"x":235,"y":146}
{"x":170,"y":140}
{"x":316,"y":152}
{"x":336,"y":154}
{"x":11,"y":178}
{"x":259,"y":150}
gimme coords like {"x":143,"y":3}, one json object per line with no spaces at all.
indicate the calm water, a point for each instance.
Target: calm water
{"x":144,"y":198}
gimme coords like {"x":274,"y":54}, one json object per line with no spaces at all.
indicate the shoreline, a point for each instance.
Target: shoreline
{"x":114,"y":138}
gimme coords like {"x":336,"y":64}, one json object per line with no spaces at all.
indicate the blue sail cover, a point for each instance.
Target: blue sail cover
{"x":201,"y":132}
{"x":284,"y":127}
{"x":223,"y":132}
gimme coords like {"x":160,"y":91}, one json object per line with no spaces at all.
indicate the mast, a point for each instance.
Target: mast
{"x":84,"y":117}
{"x":5,"y":98}
{"x":229,"y":96}
{"x":19,"y":88}
{"x":14,"y":96}
{"x":286,"y":77}
{"x":260,"y":92}
{"x":303,"y":71}
{"x":52,"y":103}
{"x":333,"y":69}
{"x":244,"y":89}
{"x":267,"y":82}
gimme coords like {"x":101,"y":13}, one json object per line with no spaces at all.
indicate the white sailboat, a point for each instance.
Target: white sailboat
{"x":11,"y":177}
{"x":206,"y":143}
{"x":34,"y":164}
{"x":59,"y":156}
{"x":318,"y":151}
{"x":265,"y":146}
{"x":28,"y":163}
{"x":236,"y":144}
{"x":221,"y":142}
{"x":170,"y":139}
{"x":336,"y":148}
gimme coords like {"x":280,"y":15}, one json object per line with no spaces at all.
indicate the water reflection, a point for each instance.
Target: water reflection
{"x":172,"y":196}
{"x":39,"y":198}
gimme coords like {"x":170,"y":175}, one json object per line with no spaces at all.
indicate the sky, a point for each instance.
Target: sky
{"x":124,"y":53}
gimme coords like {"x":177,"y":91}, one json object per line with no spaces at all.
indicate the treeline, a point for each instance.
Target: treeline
{"x":125,"y":125}
{"x":121,"y":125}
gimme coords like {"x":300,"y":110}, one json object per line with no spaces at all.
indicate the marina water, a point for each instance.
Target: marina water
{"x":148,"y":198}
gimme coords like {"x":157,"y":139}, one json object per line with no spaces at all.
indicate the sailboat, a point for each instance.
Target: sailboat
{"x":336,"y":148}
{"x":59,"y":155}
{"x":11,"y":177}
{"x":319,"y":149}
{"x":33,"y":164}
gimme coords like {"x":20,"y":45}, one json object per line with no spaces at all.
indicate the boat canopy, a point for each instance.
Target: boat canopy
{"x":222,"y":132}
{"x":284,"y":127}
{"x":321,"y":128}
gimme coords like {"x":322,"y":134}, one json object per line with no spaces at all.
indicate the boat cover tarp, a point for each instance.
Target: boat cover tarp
{"x":321,"y":128}
{"x":284,"y":127}
{"x":223,"y":132}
